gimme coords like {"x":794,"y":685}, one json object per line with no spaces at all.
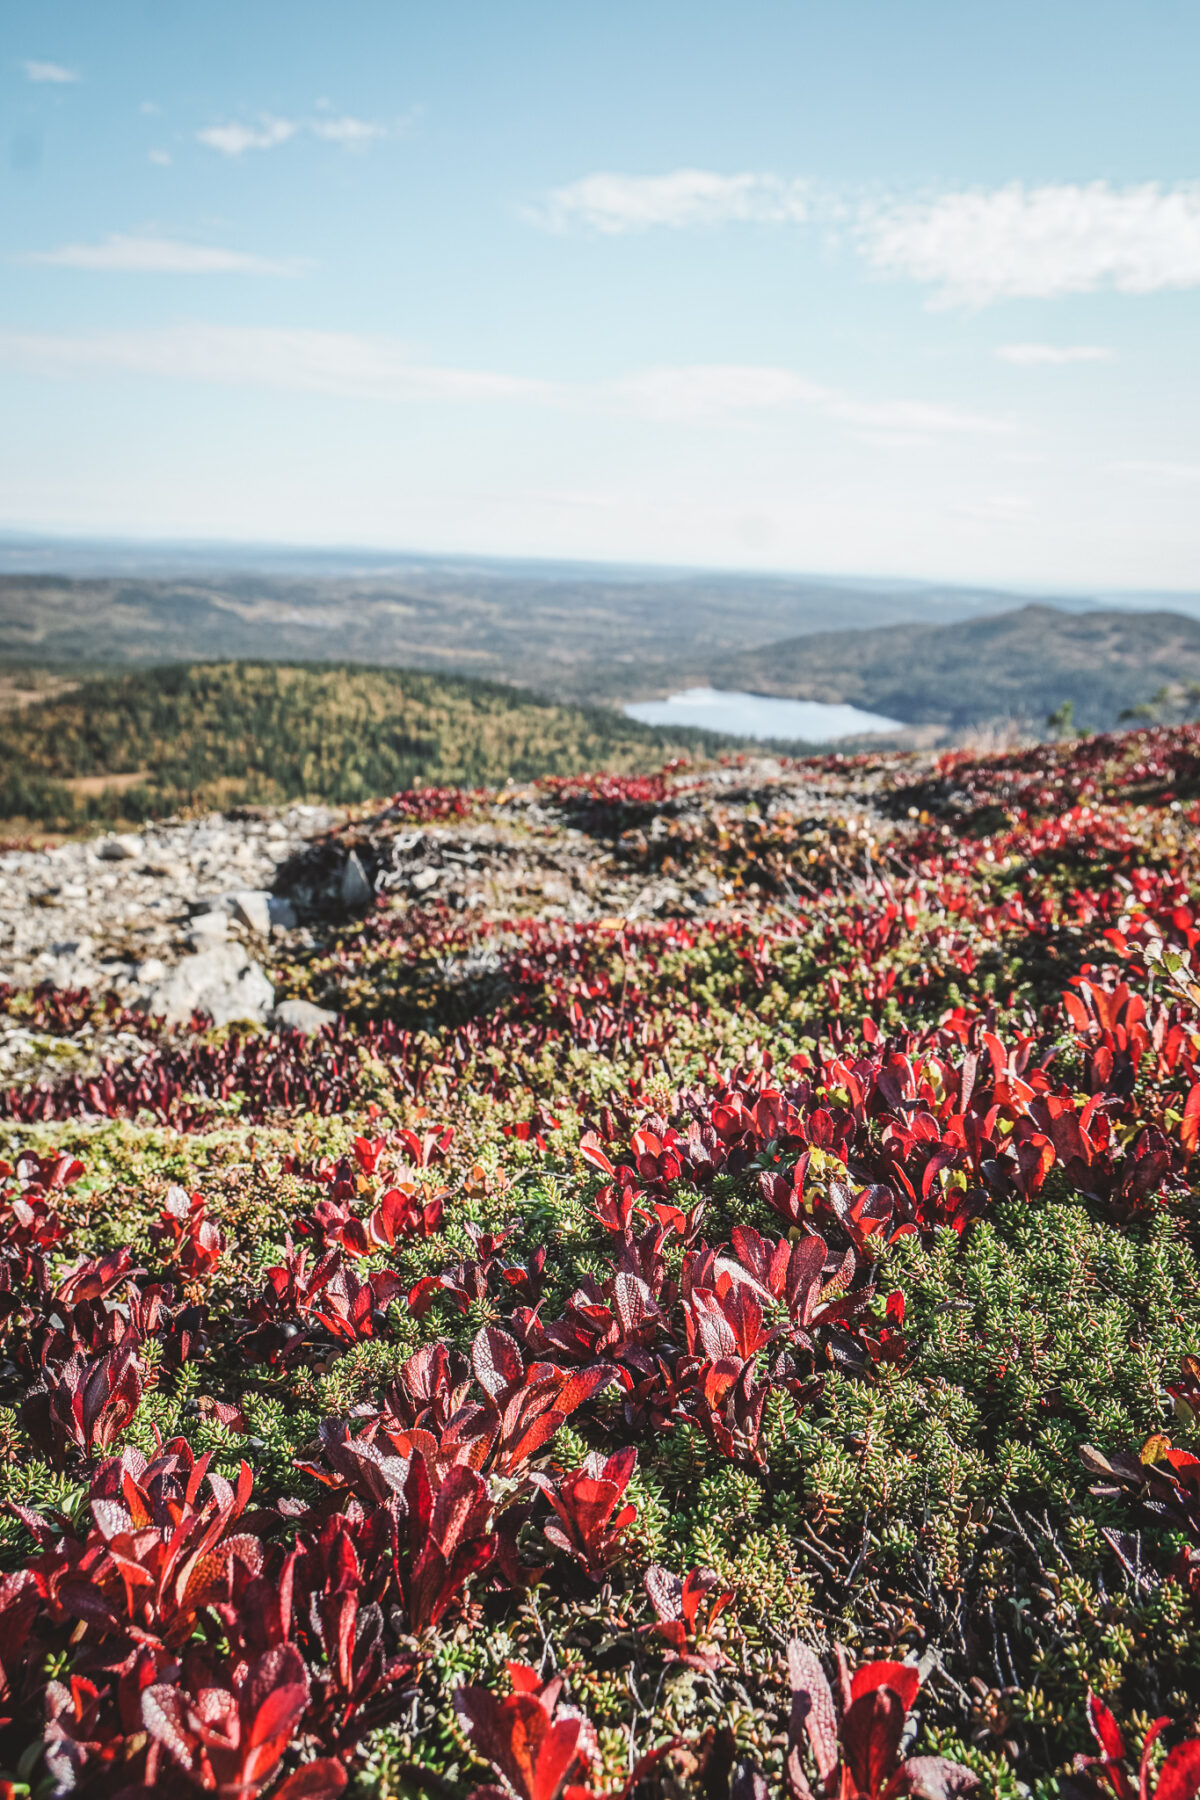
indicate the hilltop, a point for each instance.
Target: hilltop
{"x":210,"y":735}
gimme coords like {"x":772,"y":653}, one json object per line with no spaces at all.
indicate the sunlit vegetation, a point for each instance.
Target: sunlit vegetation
{"x":743,"y":1355}
{"x":199,"y":736}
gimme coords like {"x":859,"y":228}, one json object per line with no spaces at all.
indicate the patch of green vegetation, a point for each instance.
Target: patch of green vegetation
{"x":218,"y":735}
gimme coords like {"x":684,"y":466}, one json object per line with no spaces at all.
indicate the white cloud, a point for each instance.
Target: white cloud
{"x":1028,"y":355}
{"x":972,"y":245}
{"x":979,"y":245}
{"x":730,"y":388}
{"x":235,"y":140}
{"x":379,"y":368}
{"x":129,"y":254}
{"x":49,"y":71}
{"x":352,"y":134}
{"x":612,"y":204}
{"x":160,"y":158}
{"x":328,"y":362}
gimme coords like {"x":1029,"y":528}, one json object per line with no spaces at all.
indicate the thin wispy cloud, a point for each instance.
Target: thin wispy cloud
{"x":379,"y":368}
{"x":730,"y":388}
{"x":978,"y":245}
{"x":328,"y":362}
{"x":1030,"y":355}
{"x":613,"y":204}
{"x":56,"y":73}
{"x":128,"y":254}
{"x":234,"y":139}
{"x":347,"y":130}
{"x":1164,"y":474}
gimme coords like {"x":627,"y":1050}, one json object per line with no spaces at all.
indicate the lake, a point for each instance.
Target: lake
{"x":760,"y":716}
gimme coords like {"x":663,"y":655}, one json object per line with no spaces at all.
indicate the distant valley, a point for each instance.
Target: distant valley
{"x":943,"y":661}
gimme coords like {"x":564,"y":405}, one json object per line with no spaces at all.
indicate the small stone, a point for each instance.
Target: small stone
{"x":302,"y":1015}
{"x":425,"y":879}
{"x":356,"y":889}
{"x":153,"y":969}
{"x":119,"y":847}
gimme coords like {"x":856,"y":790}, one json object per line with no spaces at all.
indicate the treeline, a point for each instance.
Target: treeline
{"x":213,"y":735}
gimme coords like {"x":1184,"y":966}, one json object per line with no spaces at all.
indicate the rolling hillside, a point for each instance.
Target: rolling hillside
{"x":575,"y":634}
{"x":1018,"y":665}
{"x":224,"y":734}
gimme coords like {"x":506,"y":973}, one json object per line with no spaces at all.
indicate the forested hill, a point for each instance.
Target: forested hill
{"x":225,"y":734}
{"x":1014,"y":665}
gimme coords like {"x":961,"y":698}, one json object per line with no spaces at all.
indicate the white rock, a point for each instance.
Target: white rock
{"x":302,"y":1015}
{"x":153,"y":969}
{"x":221,"y":982}
{"x":120,"y":847}
{"x":356,"y":889}
{"x":252,"y":906}
{"x":425,"y":879}
{"x":207,"y":928}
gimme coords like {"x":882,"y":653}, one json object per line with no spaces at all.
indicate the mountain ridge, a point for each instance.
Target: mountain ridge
{"x":1018,"y":665}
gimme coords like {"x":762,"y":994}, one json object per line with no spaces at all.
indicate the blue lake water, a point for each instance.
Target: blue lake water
{"x":760,"y":716}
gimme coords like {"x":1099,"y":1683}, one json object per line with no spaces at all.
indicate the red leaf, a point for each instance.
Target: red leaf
{"x":320,"y":1780}
{"x":1180,"y":1778}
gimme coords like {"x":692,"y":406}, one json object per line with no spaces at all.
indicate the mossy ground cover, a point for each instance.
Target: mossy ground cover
{"x":645,"y":1303}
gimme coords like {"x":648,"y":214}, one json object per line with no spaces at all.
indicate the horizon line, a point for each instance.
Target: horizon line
{"x":37,"y":538}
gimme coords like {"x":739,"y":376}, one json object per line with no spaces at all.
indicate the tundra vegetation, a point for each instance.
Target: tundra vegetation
{"x":749,"y":1350}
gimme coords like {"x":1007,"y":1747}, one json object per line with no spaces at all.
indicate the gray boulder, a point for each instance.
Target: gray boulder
{"x":302,"y":1015}
{"x":221,"y":982}
{"x":119,"y":847}
{"x":282,"y":914}
{"x":356,"y":889}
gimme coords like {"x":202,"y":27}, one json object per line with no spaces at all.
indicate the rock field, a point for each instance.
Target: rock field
{"x":196,"y":920}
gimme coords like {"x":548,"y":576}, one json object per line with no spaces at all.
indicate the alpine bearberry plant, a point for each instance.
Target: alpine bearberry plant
{"x":729,"y":1330}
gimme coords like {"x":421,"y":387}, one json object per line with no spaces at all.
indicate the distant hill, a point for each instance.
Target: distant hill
{"x":1018,"y":665}
{"x":216,"y":735}
{"x":576,"y":634}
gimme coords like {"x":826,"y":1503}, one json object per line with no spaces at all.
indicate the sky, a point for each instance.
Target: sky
{"x":887,"y":287}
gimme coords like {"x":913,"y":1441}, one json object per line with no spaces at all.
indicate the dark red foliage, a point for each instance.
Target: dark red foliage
{"x":1179,"y":1777}
{"x":687,"y":1611}
{"x":855,"y":1745}
{"x":224,"y":1728}
{"x":85,"y":1404}
{"x":529,"y":1737}
{"x":187,"y":1238}
{"x":589,"y":1521}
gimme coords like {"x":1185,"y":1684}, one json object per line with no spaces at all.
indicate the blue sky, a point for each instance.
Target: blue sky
{"x":890,"y":287}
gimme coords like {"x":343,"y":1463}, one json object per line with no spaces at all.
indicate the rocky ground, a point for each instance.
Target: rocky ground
{"x":192,"y":921}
